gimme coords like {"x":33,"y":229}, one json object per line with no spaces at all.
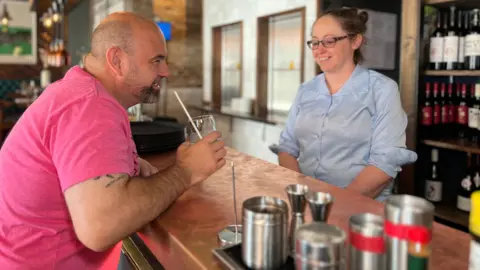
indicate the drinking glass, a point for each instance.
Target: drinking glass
{"x":205,"y":125}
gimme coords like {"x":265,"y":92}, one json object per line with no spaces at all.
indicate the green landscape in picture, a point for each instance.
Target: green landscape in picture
{"x":16,"y":40}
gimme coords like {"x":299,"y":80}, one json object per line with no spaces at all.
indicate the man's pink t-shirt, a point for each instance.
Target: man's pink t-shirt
{"x":73,"y":132}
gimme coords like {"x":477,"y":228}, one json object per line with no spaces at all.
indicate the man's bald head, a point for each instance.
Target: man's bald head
{"x":128,"y":55}
{"x":118,"y":29}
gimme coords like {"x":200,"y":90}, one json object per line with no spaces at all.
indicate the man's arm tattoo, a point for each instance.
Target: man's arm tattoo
{"x":115,"y":179}
{"x":108,"y":175}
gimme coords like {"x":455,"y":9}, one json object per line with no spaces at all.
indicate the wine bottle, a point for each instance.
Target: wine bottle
{"x":437,"y":45}
{"x":476,"y":173}
{"x":437,"y":112}
{"x":451,"y":41}
{"x":467,"y":186}
{"x":427,"y":112}
{"x":444,"y":108}
{"x":433,"y":184}
{"x":472,"y":42}
{"x":461,"y":39}
{"x":476,"y":111}
{"x":473,"y":112}
{"x":462,"y":113}
{"x":452,"y":112}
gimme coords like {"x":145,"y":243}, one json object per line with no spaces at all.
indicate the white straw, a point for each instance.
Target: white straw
{"x":234,"y":202}
{"x":188,"y":115}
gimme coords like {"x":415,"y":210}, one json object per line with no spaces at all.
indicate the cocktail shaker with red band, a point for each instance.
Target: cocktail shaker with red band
{"x":406,"y":217}
{"x":367,"y":243}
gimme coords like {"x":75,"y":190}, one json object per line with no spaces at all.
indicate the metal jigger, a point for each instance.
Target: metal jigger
{"x":296,"y":197}
{"x":320,"y":204}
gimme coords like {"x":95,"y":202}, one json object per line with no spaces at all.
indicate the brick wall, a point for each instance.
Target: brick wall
{"x":143,"y":7}
{"x":185,"y":55}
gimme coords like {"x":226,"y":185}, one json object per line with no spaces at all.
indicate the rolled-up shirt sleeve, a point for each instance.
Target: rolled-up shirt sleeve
{"x":288,"y":143}
{"x":388,"y":149}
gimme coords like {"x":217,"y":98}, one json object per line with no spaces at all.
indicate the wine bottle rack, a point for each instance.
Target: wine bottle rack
{"x":457,"y":145}
{"x":458,"y":73}
{"x":464,"y":3}
{"x":449,"y":213}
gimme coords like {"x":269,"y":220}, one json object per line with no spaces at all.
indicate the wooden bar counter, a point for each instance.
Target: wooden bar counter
{"x":183,"y":236}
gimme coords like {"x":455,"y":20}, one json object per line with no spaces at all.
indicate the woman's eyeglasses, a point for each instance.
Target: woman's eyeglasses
{"x":328,"y":42}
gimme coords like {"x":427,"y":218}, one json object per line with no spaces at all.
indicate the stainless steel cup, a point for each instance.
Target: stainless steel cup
{"x":320,"y":204}
{"x":404,"y":213}
{"x":265,"y":233}
{"x":367,"y":244}
{"x":319,"y":246}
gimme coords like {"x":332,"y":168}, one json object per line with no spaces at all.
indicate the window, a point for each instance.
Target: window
{"x":280,"y":66}
{"x":285,"y":60}
{"x":231,"y":82}
{"x":227,"y":64}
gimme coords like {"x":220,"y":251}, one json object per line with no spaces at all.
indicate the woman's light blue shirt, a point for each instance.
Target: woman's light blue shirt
{"x":334,"y":137}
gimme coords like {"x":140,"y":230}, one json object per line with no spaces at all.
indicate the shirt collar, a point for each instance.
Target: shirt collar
{"x":353,"y":84}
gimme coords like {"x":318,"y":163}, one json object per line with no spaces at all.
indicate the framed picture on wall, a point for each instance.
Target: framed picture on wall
{"x":18,"y":38}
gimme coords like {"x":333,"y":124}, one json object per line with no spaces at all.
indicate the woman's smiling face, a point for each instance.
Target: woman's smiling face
{"x":332,"y":47}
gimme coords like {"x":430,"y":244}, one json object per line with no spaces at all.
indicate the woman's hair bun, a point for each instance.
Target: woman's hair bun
{"x":363,"y":16}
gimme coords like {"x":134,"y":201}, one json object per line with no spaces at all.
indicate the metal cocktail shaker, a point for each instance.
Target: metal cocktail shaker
{"x":367,"y":244}
{"x":404,"y":213}
{"x":265,"y":233}
{"x":319,"y":246}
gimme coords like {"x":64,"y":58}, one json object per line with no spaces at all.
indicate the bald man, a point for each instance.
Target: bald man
{"x":71,"y":182}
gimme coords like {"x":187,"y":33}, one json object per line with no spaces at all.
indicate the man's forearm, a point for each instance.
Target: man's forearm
{"x":288,"y":161}
{"x":370,"y":181}
{"x":154,"y":194}
{"x":137,"y":201}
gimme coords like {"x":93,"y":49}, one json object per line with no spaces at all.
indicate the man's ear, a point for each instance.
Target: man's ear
{"x":113,"y":58}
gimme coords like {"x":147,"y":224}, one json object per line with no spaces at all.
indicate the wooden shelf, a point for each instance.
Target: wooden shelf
{"x":463,"y":3}
{"x":452,"y":73}
{"x":457,"y":145}
{"x":436,"y":2}
{"x":449,"y":212}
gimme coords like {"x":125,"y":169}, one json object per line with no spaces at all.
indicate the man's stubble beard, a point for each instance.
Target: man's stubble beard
{"x":148,"y":94}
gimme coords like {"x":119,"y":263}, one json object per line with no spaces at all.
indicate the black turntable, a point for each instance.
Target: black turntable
{"x":157,"y":136}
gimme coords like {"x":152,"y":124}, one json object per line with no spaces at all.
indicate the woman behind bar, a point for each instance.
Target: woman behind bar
{"x":346,"y":126}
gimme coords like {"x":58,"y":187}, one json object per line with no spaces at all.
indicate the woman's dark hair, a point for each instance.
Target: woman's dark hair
{"x":353,"y":23}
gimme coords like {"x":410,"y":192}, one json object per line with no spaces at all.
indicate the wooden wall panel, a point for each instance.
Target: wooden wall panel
{"x":217,"y":67}
{"x":217,"y":63}
{"x":408,"y":82}
{"x":262,"y":67}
